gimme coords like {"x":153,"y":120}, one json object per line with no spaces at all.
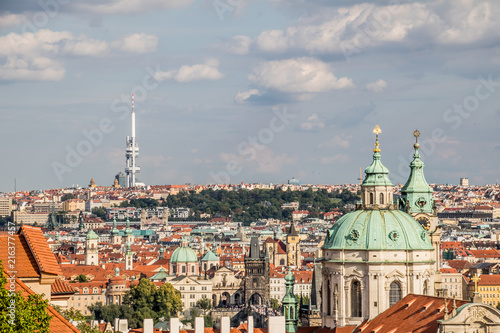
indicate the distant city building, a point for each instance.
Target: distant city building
{"x":22,"y":217}
{"x":73,"y":204}
{"x":5,"y":207}
{"x":121,"y":178}
{"x":464,"y":181}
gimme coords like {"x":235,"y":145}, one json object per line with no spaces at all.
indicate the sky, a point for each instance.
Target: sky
{"x":256,"y":91}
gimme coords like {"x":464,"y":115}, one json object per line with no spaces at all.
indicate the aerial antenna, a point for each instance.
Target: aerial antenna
{"x":360,"y":177}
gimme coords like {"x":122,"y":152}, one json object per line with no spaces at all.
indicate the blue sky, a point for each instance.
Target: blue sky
{"x":254,"y":91}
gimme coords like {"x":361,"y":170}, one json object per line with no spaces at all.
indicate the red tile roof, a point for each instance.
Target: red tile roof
{"x":25,"y":263}
{"x":44,"y":257}
{"x":61,"y":287}
{"x":414,"y":313}
{"x":489,"y":280}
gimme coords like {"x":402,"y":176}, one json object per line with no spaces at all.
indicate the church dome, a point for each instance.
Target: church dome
{"x":377,"y":226}
{"x":377,"y":230}
{"x":92,"y":235}
{"x":183,"y":254}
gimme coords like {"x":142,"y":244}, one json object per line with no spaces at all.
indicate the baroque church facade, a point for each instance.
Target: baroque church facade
{"x":379,"y":253}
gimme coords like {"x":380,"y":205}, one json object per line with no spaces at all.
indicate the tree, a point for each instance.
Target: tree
{"x":67,"y":196}
{"x":82,"y":278}
{"x":70,"y":314}
{"x":208,"y":320}
{"x":204,"y":304}
{"x":140,"y":302}
{"x":275,"y":304}
{"x":85,"y":328}
{"x":30,"y":313}
{"x":167,"y":301}
{"x":99,"y":212}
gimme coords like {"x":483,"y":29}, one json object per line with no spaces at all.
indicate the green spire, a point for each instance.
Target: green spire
{"x":129,"y":252}
{"x":289,"y":303}
{"x":128,"y":231}
{"x":81,"y":226}
{"x":117,"y":271}
{"x":416,"y":194}
{"x":114,"y":231}
{"x":376,"y":173}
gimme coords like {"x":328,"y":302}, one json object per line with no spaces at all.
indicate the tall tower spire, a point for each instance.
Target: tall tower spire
{"x":377,"y":188}
{"x":416,"y":194}
{"x":290,"y":304}
{"x":131,"y":153}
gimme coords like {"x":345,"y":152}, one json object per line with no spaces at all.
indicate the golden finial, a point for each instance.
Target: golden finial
{"x":416,"y":134}
{"x":376,"y":131}
{"x":475,"y":279}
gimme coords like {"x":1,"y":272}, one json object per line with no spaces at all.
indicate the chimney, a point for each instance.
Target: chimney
{"x":276,"y":324}
{"x":148,"y":325}
{"x":199,"y":325}
{"x":225,"y":325}
{"x":174,"y":325}
{"x":250,"y":324}
{"x":123,"y":325}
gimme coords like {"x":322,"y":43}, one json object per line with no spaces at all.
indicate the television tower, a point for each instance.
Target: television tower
{"x":131,"y":153}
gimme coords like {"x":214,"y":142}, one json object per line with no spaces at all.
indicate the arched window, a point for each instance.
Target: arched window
{"x":371,"y":198}
{"x":356,"y":298}
{"x":183,"y":269}
{"x":192,"y":269}
{"x":282,"y":262}
{"x":394,"y":293}
{"x":381,"y":199}
{"x":329,"y":296}
{"x":426,"y":288}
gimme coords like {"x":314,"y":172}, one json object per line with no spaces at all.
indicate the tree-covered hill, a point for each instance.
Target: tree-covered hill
{"x":251,"y":205}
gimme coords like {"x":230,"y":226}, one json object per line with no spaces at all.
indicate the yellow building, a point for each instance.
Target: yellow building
{"x":73,"y":204}
{"x":489,"y":289}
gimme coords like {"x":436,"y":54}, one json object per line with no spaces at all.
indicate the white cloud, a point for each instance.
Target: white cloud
{"x":129,"y":6}
{"x":239,"y":45}
{"x":10,"y":20}
{"x":137,"y":43}
{"x":352,"y":29}
{"x":243,"y":96}
{"x":302,"y":75}
{"x":312,"y":124}
{"x":378,"y":86}
{"x":272,"y":41}
{"x":37,"y":56}
{"x":338,"y":141}
{"x":207,"y":71}
{"x":83,"y":46}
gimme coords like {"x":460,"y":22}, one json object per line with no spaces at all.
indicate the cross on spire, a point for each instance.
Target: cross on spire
{"x":377,"y":131}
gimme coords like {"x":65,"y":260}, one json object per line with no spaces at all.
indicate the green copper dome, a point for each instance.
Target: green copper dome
{"x":210,"y":256}
{"x":183,"y":254}
{"x":92,"y":235}
{"x":377,"y":230}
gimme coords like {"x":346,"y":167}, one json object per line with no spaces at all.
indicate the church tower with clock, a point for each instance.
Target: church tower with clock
{"x":416,"y":200}
{"x":376,"y":255}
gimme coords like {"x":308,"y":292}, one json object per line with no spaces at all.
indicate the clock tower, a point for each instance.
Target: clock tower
{"x":416,"y":200}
